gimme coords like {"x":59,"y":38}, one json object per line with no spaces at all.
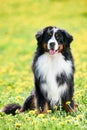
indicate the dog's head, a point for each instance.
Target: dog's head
{"x":53,"y":40}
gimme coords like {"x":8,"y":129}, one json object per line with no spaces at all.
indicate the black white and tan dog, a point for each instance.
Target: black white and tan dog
{"x":53,"y":69}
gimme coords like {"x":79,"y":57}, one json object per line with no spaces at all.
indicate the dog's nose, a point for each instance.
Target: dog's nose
{"x":52,"y":44}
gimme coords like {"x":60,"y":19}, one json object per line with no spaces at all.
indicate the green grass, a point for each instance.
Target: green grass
{"x":19,"y":21}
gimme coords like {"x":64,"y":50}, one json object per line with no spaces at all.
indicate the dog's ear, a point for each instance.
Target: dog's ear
{"x":39,"y":34}
{"x":68,"y":38}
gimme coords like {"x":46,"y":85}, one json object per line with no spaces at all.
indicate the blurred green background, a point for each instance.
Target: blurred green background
{"x":19,"y":21}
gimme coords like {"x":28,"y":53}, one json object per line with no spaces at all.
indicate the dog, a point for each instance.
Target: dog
{"x":53,"y":69}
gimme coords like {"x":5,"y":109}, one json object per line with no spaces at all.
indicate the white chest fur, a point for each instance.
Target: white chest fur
{"x":49,"y":67}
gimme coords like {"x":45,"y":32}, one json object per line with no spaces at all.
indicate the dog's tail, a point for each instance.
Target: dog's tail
{"x":30,"y":103}
{"x":11,"y":108}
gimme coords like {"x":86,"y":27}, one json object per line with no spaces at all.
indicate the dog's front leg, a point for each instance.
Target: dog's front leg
{"x":42,"y":104}
{"x":70,"y":106}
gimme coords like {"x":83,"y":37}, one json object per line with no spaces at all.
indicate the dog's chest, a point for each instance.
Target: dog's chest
{"x":49,"y":67}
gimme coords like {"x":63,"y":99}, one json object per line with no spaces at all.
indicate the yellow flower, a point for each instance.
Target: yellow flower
{"x":68,"y":102}
{"x":41,"y":115}
{"x":44,"y":120}
{"x":79,"y":116}
{"x":18,"y":124}
{"x":18,"y":90}
{"x":49,"y":111}
{"x":82,"y":90}
{"x":53,"y":118}
{"x":68,"y":121}
{"x":85,"y":86}
{"x":73,"y":98}
{"x":68,"y":117}
{"x":34,"y":122}
{"x":76,"y":124}
{"x":32,"y":112}
{"x":17,"y":111}
{"x":61,"y":123}
{"x":18,"y":97}
{"x":9,"y":88}
{"x":55,"y":107}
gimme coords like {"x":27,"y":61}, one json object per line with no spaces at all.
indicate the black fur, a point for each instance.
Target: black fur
{"x":11,"y":108}
{"x":65,"y":39}
{"x":41,"y":98}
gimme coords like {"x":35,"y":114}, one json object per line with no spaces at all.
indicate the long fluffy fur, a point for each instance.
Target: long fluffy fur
{"x":53,"y":74}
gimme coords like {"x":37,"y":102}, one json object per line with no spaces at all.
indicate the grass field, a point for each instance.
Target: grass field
{"x":19,"y":21}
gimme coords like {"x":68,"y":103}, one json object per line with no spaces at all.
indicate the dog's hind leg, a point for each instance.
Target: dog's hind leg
{"x":70,"y":107}
{"x":30,"y":102}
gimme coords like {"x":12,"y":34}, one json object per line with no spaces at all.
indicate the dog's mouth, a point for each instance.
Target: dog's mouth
{"x":52,"y":51}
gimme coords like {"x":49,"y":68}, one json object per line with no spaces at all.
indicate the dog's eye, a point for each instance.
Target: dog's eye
{"x":50,"y":34}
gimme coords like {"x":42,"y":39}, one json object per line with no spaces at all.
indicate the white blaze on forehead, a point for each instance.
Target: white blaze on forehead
{"x":55,"y":30}
{"x":53,"y":39}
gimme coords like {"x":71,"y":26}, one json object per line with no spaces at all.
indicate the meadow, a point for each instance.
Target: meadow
{"x":19,"y":21}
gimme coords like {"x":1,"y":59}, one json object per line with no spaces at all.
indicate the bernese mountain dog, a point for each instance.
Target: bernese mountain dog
{"x":53,"y":69}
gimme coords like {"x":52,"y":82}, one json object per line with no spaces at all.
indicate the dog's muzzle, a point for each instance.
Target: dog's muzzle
{"x":52,"y":48}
